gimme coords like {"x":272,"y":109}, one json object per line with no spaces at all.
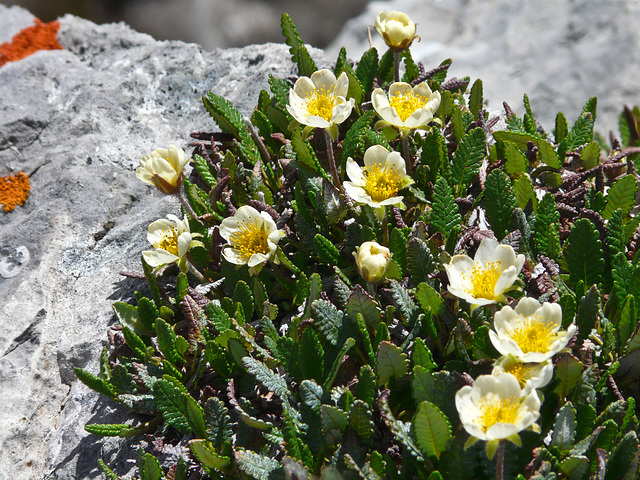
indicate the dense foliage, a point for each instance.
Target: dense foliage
{"x":311,"y":364}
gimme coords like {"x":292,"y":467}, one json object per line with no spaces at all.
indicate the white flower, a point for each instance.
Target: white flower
{"x":494,"y":410}
{"x":531,"y":376}
{"x":372,"y":260}
{"x":406,"y":107}
{"x":377,"y":184}
{"x":396,"y":28}
{"x":485,"y":278}
{"x":320,"y":101}
{"x":163,"y":168}
{"x":531,"y":332}
{"x":252,"y":237}
{"x":171,"y":239}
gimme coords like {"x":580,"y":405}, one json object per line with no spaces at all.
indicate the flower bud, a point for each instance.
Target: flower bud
{"x":163,"y":168}
{"x":372,"y":260}
{"x":396,"y":28}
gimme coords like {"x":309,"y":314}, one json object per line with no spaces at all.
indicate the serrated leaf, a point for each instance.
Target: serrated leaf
{"x":217,"y":422}
{"x":95,"y":383}
{"x":564,"y":428}
{"x":431,"y":429}
{"x":516,"y":163}
{"x":574,"y":467}
{"x":361,"y":302}
{"x":326,"y":250}
{"x":112,"y":429}
{"x":149,"y":468}
{"x":166,"y":341}
{"x":328,"y":319}
{"x":121,"y":380}
{"x":475,"y":97}
{"x":280,"y":89}
{"x":311,"y":356}
{"x":299,"y":52}
{"x":561,"y":128}
{"x":147,"y":313}
{"x":204,"y":452}
{"x":360,"y":420}
{"x":524,"y":192}
{"x":403,"y":301}
{"x":468,"y":157}
{"x":258,"y":466}
{"x":422,"y":356}
{"x":622,"y":194}
{"x":334,"y":421}
{"x":499,"y":202}
{"x":243,"y":295}
{"x":568,"y":373}
{"x":434,"y":156}
{"x":627,"y":322}
{"x":128,"y":316}
{"x":623,"y":463}
{"x":588,"y":312}
{"x":365,"y":389}
{"x":171,"y":401}
{"x":581,"y":133}
{"x":390,"y":362}
{"x":333,"y":371}
{"x":272,"y":381}
{"x":584,"y":253}
{"x":110,"y":474}
{"x":401,"y":430}
{"x":305,"y":153}
{"x":367,"y":68}
{"x":420,"y":261}
{"x":444,"y":215}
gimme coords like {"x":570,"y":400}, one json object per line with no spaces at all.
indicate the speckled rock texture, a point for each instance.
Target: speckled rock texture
{"x":81,"y":118}
{"x":559,"y":52}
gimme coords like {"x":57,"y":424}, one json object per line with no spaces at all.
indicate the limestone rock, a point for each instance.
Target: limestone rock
{"x":559,"y":52}
{"x":81,"y":118}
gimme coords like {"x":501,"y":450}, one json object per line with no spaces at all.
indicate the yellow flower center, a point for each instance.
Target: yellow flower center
{"x":320,"y":102}
{"x":381,"y":183}
{"x":520,"y":371}
{"x":532,"y":335}
{"x":405,"y":105}
{"x":484,"y":279}
{"x":250,"y":238}
{"x":497,"y":410}
{"x":169,"y":241}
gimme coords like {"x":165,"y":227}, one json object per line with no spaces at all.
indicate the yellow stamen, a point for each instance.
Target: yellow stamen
{"x":497,"y":410}
{"x":484,"y":279}
{"x":405,"y":105}
{"x":250,"y":238}
{"x":381,"y":184}
{"x":532,"y":335}
{"x":169,"y":241}
{"x":520,"y":371}
{"x":320,"y":102}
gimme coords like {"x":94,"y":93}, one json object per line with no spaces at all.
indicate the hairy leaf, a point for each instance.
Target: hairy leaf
{"x":171,"y":401}
{"x":299,"y":53}
{"x":326,"y":250}
{"x":622,"y":194}
{"x":360,"y":420}
{"x":584,"y":253}
{"x":444,"y":214}
{"x":468,"y":157}
{"x":98,"y":384}
{"x":390,"y":362}
{"x":311,"y":356}
{"x":361,"y":302}
{"x":328,"y":319}
{"x":564,"y":428}
{"x":367,"y":68}
{"x":167,"y":341}
{"x":258,"y":466}
{"x":431,"y":429}
{"x":499,"y":202}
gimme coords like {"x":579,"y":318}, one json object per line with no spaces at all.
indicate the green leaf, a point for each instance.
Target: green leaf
{"x":355,"y":90}
{"x":547,"y":154}
{"x":149,"y":467}
{"x":431,"y":429}
{"x":110,"y":474}
{"x":398,"y":247}
{"x":147,"y":313}
{"x":299,"y":53}
{"x":575,"y":467}
{"x":564,"y":428}
{"x":627,"y":321}
{"x":167,"y":341}
{"x":328,"y":319}
{"x":561,"y":130}
{"x":311,"y":356}
{"x":422,"y":356}
{"x":516,"y":163}
{"x":588,"y":312}
{"x":243,"y":295}
{"x":360,"y":420}
{"x":365,"y":389}
{"x":305,"y":154}
{"x":334,"y":421}
{"x":333,"y":372}
{"x":128,"y":316}
{"x":390,"y":362}
{"x":403,"y":301}
{"x":546,"y":224}
{"x":122,"y":380}
{"x":204,"y":452}
{"x":524,"y":192}
{"x":420,"y":261}
{"x":584,"y":253}
{"x":272,"y":381}
{"x":171,"y":401}
{"x":361,"y":302}
{"x":568,"y":374}
{"x":444,"y":214}
{"x":217,"y":422}
{"x":434,"y":156}
{"x":112,"y":429}
{"x":385,"y":67}
{"x":581,"y":133}
{"x":468,"y":157}
{"x":517,"y":138}
{"x":622,"y":194}
{"x":95,"y":383}
{"x":623,"y":463}
{"x":367,"y":68}
{"x":326,"y":250}
{"x":134,"y":342}
{"x":475,"y":98}
{"x":499,"y":202}
{"x":280,"y":89}
{"x":590,"y":155}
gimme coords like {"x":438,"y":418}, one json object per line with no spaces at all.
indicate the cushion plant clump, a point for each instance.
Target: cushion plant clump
{"x":367,"y":281}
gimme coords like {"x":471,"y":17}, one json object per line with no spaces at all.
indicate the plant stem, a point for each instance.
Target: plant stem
{"x":406,"y":149}
{"x":500,"y":462}
{"x":332,"y":160}
{"x":182,"y":196}
{"x":396,"y":65}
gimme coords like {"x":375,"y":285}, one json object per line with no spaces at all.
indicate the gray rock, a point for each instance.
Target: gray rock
{"x":559,"y":52}
{"x":82,"y":117}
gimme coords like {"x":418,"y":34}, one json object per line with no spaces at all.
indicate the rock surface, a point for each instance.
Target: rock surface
{"x":559,"y":52}
{"x":82,"y":117}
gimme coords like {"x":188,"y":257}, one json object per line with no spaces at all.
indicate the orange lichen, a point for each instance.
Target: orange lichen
{"x":14,"y":190}
{"x":41,"y":36}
